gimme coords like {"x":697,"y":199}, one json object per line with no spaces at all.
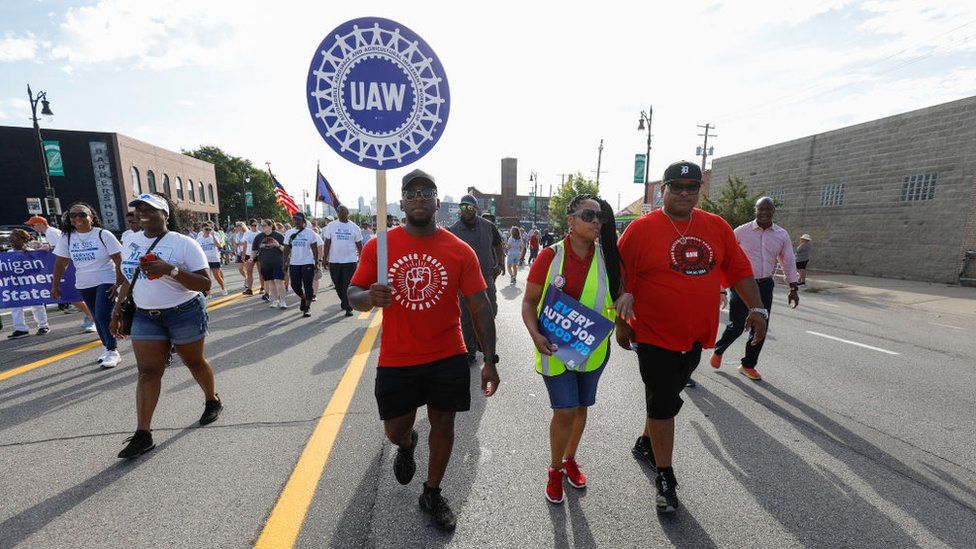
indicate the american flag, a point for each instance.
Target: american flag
{"x":283,"y":198}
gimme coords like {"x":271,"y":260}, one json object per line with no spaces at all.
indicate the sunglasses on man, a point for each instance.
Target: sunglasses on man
{"x":678,"y":188}
{"x":466,"y":207}
{"x":587,"y":216}
{"x":425,"y":194}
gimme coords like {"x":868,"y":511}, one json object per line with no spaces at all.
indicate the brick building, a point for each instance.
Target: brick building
{"x":103,"y":169}
{"x":509,"y":207}
{"x":895,"y":197}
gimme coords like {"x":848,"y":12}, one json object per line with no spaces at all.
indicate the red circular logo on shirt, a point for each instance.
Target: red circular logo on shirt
{"x":693,"y":257}
{"x":417,"y":281}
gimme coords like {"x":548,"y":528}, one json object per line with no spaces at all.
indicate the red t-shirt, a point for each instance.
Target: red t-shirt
{"x":425,"y":274}
{"x":575,"y":269}
{"x":533,"y":241}
{"x":676,"y":286}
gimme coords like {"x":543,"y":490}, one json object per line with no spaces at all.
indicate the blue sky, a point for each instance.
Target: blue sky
{"x":542,"y":82}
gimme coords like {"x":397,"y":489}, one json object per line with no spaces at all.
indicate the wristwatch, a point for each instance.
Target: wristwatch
{"x":492,"y":358}
{"x":175,"y":272}
{"x":761,"y":311}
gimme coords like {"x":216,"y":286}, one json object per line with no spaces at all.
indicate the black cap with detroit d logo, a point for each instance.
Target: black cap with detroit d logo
{"x":683,"y":170}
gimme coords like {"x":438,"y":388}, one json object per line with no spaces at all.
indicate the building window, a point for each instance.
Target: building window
{"x":179,"y":188}
{"x":136,"y":184}
{"x":778,"y":196}
{"x":151,"y":180}
{"x":203,"y":199}
{"x":832,"y":195}
{"x":210,"y":193}
{"x":919,"y":187}
{"x":166,"y":190}
{"x":189,"y":189}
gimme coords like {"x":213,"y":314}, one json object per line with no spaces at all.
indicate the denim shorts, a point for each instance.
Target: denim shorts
{"x":573,"y":389}
{"x":179,"y":325}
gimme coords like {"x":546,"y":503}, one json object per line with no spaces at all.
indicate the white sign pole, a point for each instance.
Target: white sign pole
{"x":381,"y":265}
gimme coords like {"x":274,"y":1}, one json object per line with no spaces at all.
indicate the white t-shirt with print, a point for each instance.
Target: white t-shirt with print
{"x":301,"y":249}
{"x":344,"y":237}
{"x":53,"y":236}
{"x":174,"y":248}
{"x":249,"y":237}
{"x":209,"y":248}
{"x":90,"y":252}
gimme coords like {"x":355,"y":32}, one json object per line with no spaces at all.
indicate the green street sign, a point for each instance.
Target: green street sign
{"x":52,"y":151}
{"x":640,"y":162}
{"x":249,"y":198}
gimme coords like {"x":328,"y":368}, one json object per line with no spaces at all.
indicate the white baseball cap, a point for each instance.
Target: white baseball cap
{"x":806,"y":237}
{"x":152,"y":200}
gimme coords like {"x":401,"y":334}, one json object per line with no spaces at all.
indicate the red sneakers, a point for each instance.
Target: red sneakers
{"x":715,"y":361}
{"x":554,"y":488}
{"x":750,"y":373}
{"x":575,"y":477}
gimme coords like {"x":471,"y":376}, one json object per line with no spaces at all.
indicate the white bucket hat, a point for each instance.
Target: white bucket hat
{"x":806,"y":237}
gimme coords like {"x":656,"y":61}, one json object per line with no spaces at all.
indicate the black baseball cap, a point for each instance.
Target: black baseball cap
{"x":468,"y":199}
{"x":418,"y":176}
{"x":683,"y":169}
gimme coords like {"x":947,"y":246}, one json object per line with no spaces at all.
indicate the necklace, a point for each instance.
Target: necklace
{"x":681,"y":236}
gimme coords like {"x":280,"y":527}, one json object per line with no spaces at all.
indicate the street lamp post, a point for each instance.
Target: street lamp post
{"x":646,"y":116}
{"x":41,"y":97}
{"x":534,"y":178}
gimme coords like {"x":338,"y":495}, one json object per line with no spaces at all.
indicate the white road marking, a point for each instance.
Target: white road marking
{"x":946,"y":326}
{"x":853,"y":343}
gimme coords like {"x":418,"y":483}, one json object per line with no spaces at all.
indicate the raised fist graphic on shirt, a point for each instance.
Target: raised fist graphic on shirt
{"x":418,"y":279}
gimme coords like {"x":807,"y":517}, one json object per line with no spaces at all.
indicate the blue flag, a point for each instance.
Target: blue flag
{"x":324,"y":192}
{"x":575,"y":329}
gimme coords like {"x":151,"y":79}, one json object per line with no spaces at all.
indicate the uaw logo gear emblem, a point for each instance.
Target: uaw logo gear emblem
{"x":377,"y":93}
{"x":418,"y":281}
{"x":692,"y":256}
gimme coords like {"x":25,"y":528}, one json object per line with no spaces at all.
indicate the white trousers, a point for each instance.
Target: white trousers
{"x":20,"y":320}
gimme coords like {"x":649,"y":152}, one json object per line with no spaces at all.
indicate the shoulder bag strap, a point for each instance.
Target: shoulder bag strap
{"x":135,"y":276}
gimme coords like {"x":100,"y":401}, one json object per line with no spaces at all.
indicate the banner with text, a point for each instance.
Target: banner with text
{"x":640,"y":160}
{"x":25,"y":279}
{"x":575,"y":329}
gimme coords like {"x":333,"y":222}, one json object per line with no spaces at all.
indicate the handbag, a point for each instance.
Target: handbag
{"x":127,"y":310}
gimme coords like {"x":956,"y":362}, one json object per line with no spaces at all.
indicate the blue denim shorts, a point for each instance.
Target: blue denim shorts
{"x":573,"y":389}
{"x":179,"y":325}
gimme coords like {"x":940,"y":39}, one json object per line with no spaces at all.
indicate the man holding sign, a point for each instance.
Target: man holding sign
{"x":423,"y":358}
{"x":676,"y":261}
{"x":568,"y":309}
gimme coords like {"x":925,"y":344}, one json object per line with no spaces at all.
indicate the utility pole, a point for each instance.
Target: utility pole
{"x":647,"y":117}
{"x":704,"y":151}
{"x":599,"y":161}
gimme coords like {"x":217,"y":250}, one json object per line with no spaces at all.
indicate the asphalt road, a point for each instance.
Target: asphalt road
{"x":841,"y":445}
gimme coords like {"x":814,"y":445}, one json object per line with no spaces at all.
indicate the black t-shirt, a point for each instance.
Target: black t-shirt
{"x":547,"y":240}
{"x":267,"y":254}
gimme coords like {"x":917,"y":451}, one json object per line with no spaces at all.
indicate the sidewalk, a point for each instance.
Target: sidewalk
{"x":939,"y":298}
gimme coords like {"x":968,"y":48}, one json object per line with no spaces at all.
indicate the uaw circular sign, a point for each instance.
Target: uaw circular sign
{"x":377,"y":93}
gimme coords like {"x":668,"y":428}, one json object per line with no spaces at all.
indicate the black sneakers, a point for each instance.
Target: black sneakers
{"x":43,"y":330}
{"x":436,"y":506}
{"x":667,"y":499}
{"x":18,"y":334}
{"x":348,"y":312}
{"x":643,"y":452}
{"x":211,"y":410}
{"x":139,"y":443}
{"x":691,"y":383}
{"x":404,"y":466}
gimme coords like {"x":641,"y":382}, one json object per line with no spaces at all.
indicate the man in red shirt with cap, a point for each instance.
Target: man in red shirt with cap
{"x":423,"y":359}
{"x":676,"y":261}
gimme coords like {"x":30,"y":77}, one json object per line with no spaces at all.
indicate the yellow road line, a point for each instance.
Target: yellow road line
{"x":285,"y":521}
{"x":364,"y":315}
{"x":212,"y":306}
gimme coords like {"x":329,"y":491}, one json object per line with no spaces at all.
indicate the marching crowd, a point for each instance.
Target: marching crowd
{"x":660,"y":285}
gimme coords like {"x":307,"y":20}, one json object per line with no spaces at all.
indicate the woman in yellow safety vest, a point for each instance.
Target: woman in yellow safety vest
{"x":589,"y":274}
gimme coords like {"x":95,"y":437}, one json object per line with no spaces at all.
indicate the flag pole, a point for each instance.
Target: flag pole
{"x":381,"y":264}
{"x":315,"y":203}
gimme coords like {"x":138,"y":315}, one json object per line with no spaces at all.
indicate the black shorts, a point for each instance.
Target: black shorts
{"x":214,"y":264}
{"x":802,"y":264}
{"x":443,"y":385}
{"x":273,"y":272}
{"x":665,"y":374}
{"x":240,"y":258}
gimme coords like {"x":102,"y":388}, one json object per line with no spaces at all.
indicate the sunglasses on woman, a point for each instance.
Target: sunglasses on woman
{"x":587,"y":216}
{"x":78,"y":214}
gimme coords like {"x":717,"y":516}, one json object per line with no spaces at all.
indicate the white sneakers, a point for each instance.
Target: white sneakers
{"x":110,"y":359}
{"x":273,"y":303}
{"x":282,"y":304}
{"x":89,"y":328}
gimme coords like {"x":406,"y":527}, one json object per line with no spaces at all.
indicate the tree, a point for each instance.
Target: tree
{"x":734,"y":204}
{"x":575,"y":185}
{"x":230,"y":172}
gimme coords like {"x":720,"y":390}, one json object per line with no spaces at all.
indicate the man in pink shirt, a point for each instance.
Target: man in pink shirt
{"x":765,"y":244}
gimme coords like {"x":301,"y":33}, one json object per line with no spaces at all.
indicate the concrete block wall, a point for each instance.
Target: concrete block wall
{"x":874,"y":232}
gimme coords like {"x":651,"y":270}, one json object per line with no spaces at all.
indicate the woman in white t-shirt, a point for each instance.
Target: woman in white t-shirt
{"x":97,"y":256}
{"x":211,"y":248}
{"x":166,"y":272}
{"x":301,"y":257}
